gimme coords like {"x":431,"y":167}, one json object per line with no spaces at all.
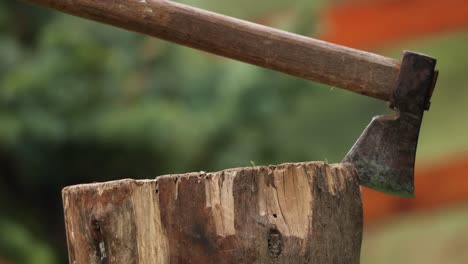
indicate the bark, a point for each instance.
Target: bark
{"x":290,"y":213}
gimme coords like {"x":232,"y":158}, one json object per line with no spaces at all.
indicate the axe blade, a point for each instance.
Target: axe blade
{"x":384,"y":155}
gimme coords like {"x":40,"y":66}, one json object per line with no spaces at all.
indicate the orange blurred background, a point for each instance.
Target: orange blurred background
{"x":430,"y":228}
{"x":380,"y":24}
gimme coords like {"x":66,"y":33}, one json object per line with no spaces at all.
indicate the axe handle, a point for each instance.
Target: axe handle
{"x":358,"y":71}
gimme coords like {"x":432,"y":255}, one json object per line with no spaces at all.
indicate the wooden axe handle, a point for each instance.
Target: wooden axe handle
{"x":354,"y":70}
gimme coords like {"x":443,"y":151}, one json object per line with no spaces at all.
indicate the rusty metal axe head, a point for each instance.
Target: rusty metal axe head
{"x":384,"y":154}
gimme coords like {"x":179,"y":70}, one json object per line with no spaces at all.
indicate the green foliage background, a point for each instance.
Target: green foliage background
{"x":83,"y":102}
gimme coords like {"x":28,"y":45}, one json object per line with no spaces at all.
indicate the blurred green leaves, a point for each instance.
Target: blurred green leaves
{"x":83,"y":102}
{"x":18,"y":244}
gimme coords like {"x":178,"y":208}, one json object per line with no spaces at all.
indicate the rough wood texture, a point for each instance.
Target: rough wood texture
{"x":290,"y":213}
{"x":351,"y":69}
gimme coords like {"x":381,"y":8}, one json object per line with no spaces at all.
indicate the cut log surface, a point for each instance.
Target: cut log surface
{"x":290,"y":213}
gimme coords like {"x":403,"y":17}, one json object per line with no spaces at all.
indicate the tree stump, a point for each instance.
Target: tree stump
{"x":290,"y":213}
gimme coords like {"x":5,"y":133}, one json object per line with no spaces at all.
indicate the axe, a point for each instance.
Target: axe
{"x":384,"y":155}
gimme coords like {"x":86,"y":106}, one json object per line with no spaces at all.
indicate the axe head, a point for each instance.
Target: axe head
{"x":384,"y":155}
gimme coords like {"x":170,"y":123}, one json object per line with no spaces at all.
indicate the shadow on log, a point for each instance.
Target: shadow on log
{"x":290,"y":213}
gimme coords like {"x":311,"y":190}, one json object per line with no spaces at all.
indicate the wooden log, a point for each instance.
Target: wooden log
{"x":354,"y":70}
{"x":290,"y":213}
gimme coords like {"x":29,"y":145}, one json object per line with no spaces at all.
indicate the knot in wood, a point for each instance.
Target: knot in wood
{"x":275,"y":243}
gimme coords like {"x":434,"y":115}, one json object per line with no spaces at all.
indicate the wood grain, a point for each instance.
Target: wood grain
{"x":290,"y":213}
{"x":300,"y":56}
